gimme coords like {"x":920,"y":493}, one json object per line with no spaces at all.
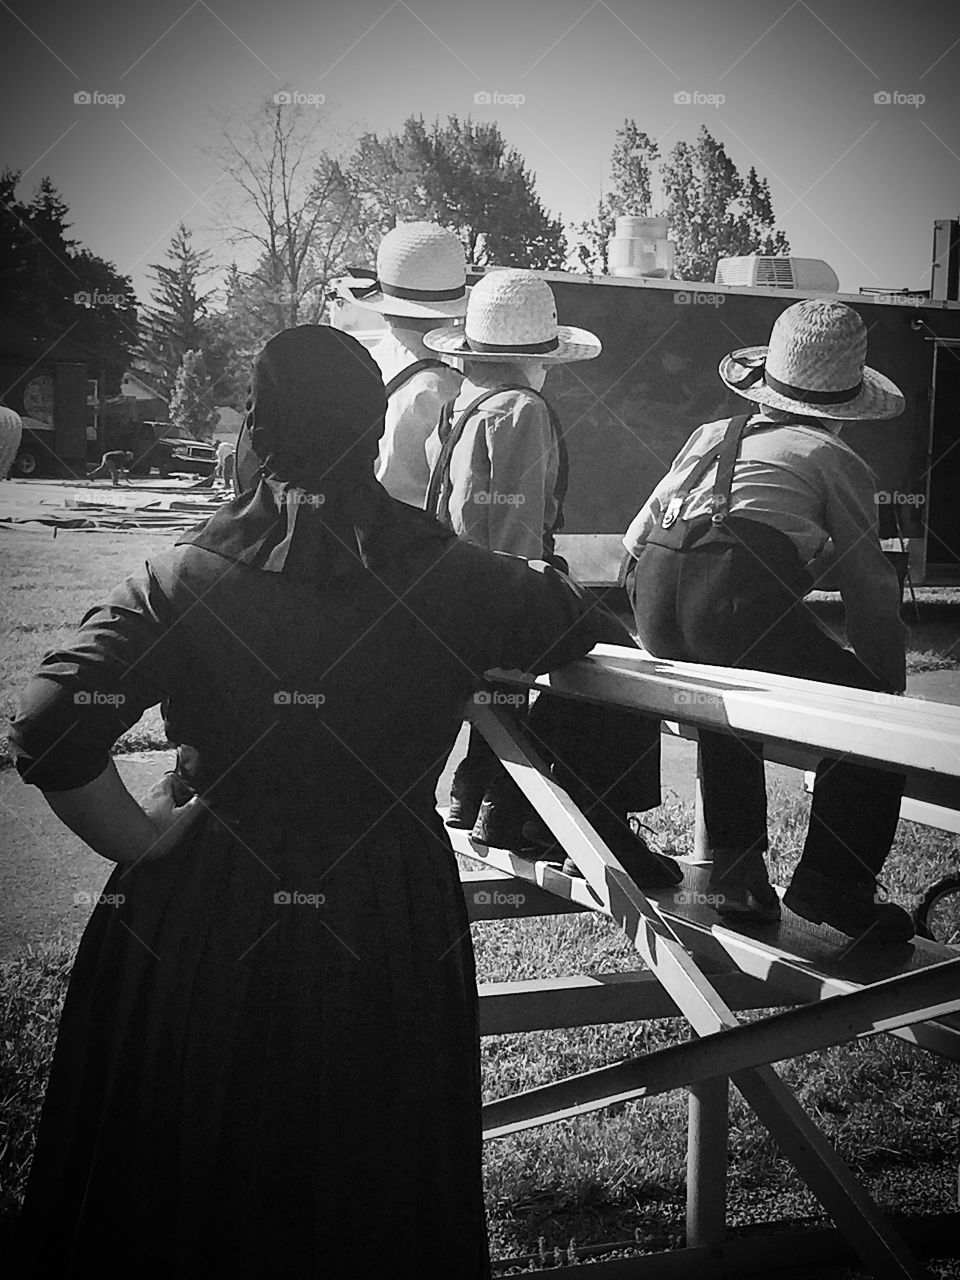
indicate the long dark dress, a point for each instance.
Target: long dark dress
{"x":268,"y":1060}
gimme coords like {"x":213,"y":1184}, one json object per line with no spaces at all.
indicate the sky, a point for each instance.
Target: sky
{"x":850,"y":109}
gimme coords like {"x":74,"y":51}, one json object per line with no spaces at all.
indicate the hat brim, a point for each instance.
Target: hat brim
{"x":572,"y":344}
{"x":880,"y":398}
{"x":400,"y":306}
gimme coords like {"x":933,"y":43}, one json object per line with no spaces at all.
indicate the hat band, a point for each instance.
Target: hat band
{"x":803,"y":394}
{"x":398,"y":291}
{"x":524,"y":348}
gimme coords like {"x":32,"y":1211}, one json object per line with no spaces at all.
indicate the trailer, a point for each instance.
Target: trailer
{"x":626,"y":414}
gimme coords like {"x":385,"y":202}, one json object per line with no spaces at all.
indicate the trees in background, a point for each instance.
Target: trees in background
{"x":192,"y":405}
{"x":464,"y":176}
{"x":53,"y":287}
{"x":176,"y":319}
{"x":713,"y":211}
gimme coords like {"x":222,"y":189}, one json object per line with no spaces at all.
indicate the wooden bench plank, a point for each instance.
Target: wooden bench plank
{"x":889,"y":732}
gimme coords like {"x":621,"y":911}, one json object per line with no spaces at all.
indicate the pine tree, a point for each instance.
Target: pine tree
{"x":192,"y":409}
{"x":631,"y":166}
{"x":175,"y":323}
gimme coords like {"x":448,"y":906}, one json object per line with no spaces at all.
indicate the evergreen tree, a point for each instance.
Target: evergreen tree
{"x":631,"y":165}
{"x":55,"y":289}
{"x":192,"y":409}
{"x":175,"y":322}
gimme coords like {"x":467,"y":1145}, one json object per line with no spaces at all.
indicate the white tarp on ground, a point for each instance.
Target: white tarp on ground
{"x":101,"y":505}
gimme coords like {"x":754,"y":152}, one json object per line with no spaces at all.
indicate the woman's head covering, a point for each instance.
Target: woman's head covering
{"x":307,"y":502}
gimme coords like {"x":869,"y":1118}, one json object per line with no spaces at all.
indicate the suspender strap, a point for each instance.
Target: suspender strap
{"x":451,"y":432}
{"x":397,"y":381}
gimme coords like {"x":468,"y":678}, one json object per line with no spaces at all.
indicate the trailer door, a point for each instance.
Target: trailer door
{"x":943,"y":502}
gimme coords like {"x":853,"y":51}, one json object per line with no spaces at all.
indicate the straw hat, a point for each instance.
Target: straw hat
{"x":421,"y":271}
{"x":814,"y":364}
{"x":512,"y":315}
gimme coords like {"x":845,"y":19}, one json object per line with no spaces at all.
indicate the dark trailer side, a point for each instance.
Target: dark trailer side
{"x":627,"y":413}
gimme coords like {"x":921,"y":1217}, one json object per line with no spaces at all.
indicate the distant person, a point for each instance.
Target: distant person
{"x":499,"y":478}
{"x":421,"y":279}
{"x":724,"y":553}
{"x":226,"y":464}
{"x":268,"y":1061}
{"x":112,"y":464}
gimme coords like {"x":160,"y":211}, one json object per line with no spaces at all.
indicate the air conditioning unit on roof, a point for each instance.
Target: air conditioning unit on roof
{"x":809,"y":275}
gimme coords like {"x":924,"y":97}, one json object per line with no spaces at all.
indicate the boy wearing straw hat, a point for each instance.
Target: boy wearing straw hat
{"x":752,"y":512}
{"x":421,"y":280}
{"x":498,"y":478}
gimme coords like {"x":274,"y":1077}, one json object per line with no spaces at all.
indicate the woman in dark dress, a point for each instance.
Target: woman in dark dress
{"x":268,"y":1058}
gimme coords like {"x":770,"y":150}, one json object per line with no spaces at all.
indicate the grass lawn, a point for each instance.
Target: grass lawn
{"x":891,"y":1109}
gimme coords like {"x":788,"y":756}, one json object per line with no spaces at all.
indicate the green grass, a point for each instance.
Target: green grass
{"x":890,"y":1108}
{"x":47,"y":584}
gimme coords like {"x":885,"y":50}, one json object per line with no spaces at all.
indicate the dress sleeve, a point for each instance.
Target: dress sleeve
{"x":122,"y":660}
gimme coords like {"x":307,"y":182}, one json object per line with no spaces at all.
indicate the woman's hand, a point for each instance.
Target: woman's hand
{"x":105,"y":815}
{"x":172,"y":806}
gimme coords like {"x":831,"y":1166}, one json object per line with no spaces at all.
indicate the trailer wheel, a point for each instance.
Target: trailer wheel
{"x":937,"y":916}
{"x":27,"y":462}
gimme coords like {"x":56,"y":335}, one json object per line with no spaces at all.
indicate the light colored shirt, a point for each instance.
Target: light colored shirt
{"x":811,"y":486}
{"x":503,"y":470}
{"x":412,"y":413}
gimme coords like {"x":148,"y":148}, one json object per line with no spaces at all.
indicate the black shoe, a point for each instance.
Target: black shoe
{"x":646,"y":867}
{"x":501,"y":819}
{"x":740,"y":888}
{"x":466,"y":796}
{"x":852,"y":907}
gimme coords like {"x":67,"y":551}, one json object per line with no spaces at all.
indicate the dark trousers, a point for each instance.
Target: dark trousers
{"x":607,"y":760}
{"x":732,"y":608}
